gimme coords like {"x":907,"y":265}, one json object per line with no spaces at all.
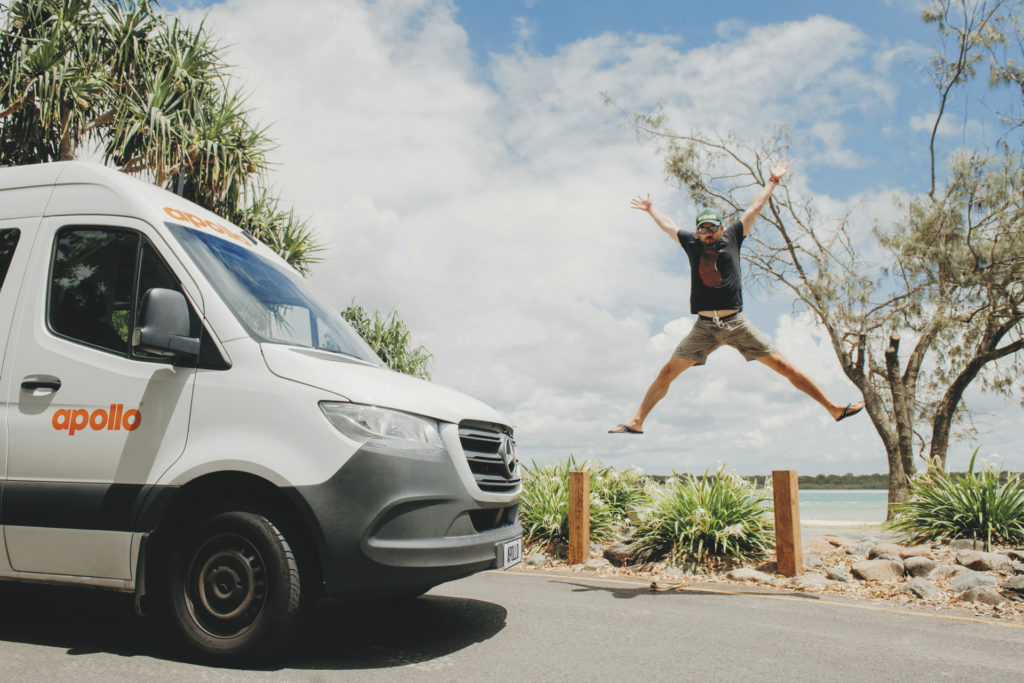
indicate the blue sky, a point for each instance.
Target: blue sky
{"x":460,"y":163}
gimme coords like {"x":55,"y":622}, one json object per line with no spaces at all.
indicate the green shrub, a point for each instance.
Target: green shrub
{"x":623,"y":491}
{"x":714,"y":519}
{"x":975,"y":506}
{"x":544,"y":505}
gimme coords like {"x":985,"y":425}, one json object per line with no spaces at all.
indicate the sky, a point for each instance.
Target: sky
{"x":460,"y":163}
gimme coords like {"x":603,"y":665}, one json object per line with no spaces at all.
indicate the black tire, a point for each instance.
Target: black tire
{"x":234,"y":589}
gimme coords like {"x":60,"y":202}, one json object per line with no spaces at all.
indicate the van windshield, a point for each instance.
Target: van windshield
{"x":273,"y":304}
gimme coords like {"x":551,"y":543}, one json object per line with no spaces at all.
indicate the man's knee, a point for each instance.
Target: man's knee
{"x":674,"y":368}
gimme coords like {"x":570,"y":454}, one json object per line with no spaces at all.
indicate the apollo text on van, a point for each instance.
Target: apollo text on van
{"x":185,"y":419}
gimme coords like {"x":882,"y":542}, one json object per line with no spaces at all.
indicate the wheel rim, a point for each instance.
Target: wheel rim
{"x":226,"y":585}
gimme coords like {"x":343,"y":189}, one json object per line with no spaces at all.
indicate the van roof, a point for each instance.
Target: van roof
{"x":76,"y":188}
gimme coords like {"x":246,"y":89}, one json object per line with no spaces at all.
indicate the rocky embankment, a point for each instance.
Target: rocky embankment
{"x":958,"y":575}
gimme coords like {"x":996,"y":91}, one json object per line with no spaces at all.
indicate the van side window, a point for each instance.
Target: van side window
{"x":154,"y":272}
{"x":8,"y":241}
{"x":91,"y":283}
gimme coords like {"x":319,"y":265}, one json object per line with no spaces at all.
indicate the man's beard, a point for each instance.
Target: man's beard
{"x":712,"y":247}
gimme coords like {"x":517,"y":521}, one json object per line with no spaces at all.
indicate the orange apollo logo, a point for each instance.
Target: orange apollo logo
{"x":192,"y":219}
{"x":114,"y":419}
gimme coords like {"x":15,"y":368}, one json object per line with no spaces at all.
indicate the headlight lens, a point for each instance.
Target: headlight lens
{"x":390,"y":428}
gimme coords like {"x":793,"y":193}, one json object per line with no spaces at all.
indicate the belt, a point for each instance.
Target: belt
{"x":713,"y":320}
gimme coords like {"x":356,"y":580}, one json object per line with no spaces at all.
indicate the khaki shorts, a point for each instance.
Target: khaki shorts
{"x":738,"y":332}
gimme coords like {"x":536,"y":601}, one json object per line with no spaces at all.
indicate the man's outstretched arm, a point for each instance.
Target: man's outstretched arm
{"x":663,"y":221}
{"x":750,"y":215}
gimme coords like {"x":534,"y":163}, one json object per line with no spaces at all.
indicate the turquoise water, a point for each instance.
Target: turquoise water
{"x":842,"y":507}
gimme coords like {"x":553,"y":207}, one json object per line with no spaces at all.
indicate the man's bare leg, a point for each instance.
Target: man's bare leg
{"x":672,"y":369}
{"x":780,"y":364}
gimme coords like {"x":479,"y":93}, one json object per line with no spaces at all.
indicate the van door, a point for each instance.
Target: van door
{"x":91,"y":421}
{"x":15,"y":244}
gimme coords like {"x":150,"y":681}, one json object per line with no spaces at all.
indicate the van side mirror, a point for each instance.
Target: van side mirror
{"x":165,"y":325}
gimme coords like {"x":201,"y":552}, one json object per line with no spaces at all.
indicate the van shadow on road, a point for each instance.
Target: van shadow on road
{"x":343,"y":635}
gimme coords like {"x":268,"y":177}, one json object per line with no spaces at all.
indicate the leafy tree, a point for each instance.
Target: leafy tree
{"x":152,"y":95}
{"x":952,"y":268}
{"x":390,"y":338}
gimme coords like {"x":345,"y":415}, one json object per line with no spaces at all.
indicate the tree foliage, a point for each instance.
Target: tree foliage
{"x":390,"y":339}
{"x":152,"y":96}
{"x":949,"y":276}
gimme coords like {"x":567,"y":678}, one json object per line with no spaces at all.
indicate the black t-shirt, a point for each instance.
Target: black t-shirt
{"x":715,"y":285}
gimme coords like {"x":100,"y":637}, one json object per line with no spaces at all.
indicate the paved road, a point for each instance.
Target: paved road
{"x":533,"y":626}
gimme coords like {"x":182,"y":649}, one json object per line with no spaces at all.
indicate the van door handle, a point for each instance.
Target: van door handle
{"x":33,"y":382}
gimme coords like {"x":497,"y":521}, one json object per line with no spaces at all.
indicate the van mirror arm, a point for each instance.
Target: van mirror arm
{"x":165,"y":325}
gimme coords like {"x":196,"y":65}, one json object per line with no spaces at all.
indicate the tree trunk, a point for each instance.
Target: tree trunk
{"x":856,"y":368}
{"x":67,"y":145}
{"x":899,"y":483}
{"x":902,"y":401}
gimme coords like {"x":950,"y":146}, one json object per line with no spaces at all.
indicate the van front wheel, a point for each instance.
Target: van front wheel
{"x":234,"y":588}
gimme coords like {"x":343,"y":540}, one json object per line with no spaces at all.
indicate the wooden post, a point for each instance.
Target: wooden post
{"x":788,"y":550}
{"x":579,"y":517}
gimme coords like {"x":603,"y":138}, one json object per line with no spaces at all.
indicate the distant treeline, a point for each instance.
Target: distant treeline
{"x":834,"y":481}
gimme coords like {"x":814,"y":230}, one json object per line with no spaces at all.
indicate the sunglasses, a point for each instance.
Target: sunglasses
{"x":706,"y":229}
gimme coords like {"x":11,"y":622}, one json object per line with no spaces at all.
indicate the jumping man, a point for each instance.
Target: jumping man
{"x":716,"y":297}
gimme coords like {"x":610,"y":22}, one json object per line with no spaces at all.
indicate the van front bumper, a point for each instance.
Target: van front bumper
{"x":394,"y":522}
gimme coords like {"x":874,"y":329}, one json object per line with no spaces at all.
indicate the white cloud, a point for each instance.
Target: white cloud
{"x":493,"y":214}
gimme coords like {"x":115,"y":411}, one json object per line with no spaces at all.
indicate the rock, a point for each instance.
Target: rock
{"x":1018,"y":568}
{"x":811,"y":561}
{"x":537,"y":559}
{"x":979,"y":561}
{"x":677,"y":572}
{"x":945,"y":571}
{"x":1015,"y":555}
{"x":838,"y":574}
{"x":887,"y":556}
{"x":922,"y":588}
{"x":878,"y":570}
{"x":818,"y":545}
{"x":918,"y":566}
{"x":861,"y":549}
{"x":1016,"y":584}
{"x":885,"y":549}
{"x":619,"y":554}
{"x":987,"y":596}
{"x":596,"y":564}
{"x":809,"y":580}
{"x":970,"y":580}
{"x":916,"y":551}
{"x":966,"y":544}
{"x":839,"y":541}
{"x":747,"y":574}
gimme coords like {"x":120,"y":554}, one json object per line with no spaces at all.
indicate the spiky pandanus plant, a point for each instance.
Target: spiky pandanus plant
{"x":711,"y":519}
{"x":986,"y":506}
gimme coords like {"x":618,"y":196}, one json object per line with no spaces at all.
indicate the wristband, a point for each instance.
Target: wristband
{"x":775,"y":180}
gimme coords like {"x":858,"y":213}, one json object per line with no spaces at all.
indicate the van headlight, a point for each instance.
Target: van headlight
{"x":384,"y":427}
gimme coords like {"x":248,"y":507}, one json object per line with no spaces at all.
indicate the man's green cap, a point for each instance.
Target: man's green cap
{"x":713,"y":216}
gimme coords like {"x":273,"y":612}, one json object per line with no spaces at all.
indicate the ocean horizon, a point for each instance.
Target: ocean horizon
{"x":842,"y":507}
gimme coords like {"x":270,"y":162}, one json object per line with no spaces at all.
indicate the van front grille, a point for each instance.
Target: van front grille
{"x":491,"y":454}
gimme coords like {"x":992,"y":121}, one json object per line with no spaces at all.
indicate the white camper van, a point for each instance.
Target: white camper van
{"x":184,"y":418}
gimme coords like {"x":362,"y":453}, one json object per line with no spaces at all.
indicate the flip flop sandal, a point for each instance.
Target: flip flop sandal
{"x":848,"y":411}
{"x":624,"y":429}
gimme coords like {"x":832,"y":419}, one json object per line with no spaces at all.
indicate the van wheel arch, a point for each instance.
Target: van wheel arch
{"x":220,"y":492}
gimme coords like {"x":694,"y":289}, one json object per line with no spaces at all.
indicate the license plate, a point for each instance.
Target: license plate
{"x":510,"y":553}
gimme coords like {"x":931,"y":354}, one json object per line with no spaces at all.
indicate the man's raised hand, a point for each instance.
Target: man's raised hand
{"x":780,"y":168}
{"x":641,"y":203}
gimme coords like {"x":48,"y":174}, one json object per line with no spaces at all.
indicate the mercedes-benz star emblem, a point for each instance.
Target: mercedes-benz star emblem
{"x":508,"y":456}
